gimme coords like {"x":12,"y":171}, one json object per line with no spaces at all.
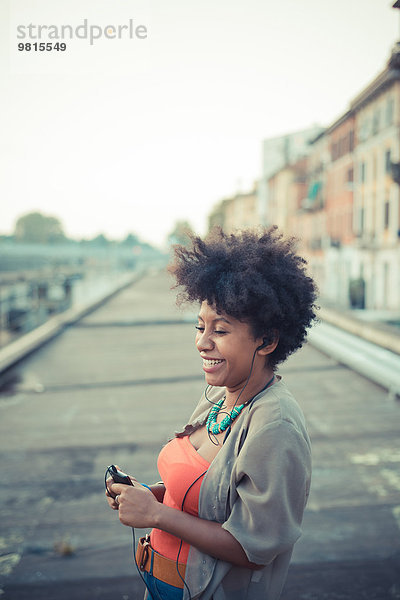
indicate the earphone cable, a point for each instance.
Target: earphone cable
{"x":180,"y":545}
{"x":133,"y":538}
{"x":209,"y":433}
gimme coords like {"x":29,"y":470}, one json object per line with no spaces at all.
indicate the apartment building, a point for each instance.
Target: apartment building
{"x":376,"y":193}
{"x":309,"y":221}
{"x":237,"y":212}
{"x":348,"y":221}
{"x":341,"y":275}
{"x":339,"y":193}
{"x":277,"y":153}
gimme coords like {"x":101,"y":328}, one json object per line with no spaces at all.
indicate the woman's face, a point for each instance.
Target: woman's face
{"x":227,"y":347}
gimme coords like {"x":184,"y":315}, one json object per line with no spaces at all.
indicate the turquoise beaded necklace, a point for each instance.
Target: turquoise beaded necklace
{"x":211,"y":423}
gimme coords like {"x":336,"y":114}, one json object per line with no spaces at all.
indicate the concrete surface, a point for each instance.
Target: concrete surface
{"x":378,"y":364}
{"x":111,"y":389}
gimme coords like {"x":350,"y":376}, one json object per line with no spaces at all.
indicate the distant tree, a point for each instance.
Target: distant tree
{"x":180,"y":233}
{"x":37,"y":228}
{"x":131,"y":240}
{"x":100,"y":240}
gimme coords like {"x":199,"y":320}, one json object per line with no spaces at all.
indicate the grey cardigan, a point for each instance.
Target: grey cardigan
{"x":256,"y":487}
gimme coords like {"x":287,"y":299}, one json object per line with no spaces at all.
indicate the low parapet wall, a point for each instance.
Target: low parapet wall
{"x":372,"y":332}
{"x":18,"y":349}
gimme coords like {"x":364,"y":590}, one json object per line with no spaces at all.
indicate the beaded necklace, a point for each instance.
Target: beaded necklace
{"x":211,"y":423}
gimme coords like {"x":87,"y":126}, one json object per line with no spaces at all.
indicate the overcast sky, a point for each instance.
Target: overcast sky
{"x":132,"y":134}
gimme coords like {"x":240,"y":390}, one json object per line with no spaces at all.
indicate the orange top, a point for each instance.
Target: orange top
{"x":179,"y":465}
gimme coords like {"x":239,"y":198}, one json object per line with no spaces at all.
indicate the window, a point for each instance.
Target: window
{"x":388,"y":162}
{"x":362,"y":172}
{"x":389,"y":111}
{"x":341,"y":146}
{"x":364,"y":130}
{"x":350,"y":175}
{"x":386,"y":214}
{"x":351,"y":141}
{"x":361,"y":221}
{"x":376,"y":121}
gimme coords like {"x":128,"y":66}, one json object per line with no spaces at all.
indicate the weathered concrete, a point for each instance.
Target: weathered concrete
{"x":112,"y":389}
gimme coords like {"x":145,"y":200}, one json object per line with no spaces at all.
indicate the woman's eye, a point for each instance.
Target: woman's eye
{"x":217,"y":331}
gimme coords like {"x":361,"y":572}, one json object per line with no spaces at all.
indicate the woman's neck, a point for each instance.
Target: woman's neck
{"x":241,"y":395}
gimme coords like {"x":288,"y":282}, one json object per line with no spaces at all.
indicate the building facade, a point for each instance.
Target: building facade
{"x":237,"y":212}
{"x":277,"y":153}
{"x":376,"y":193}
{"x":338,"y":193}
{"x":339,"y":247}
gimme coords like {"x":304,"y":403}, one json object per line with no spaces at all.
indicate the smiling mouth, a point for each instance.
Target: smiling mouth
{"x":211,"y":362}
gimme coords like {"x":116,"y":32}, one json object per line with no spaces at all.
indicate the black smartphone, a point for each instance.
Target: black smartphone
{"x":118,"y":476}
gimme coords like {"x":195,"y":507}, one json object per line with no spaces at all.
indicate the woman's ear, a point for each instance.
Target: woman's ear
{"x":268,"y":345}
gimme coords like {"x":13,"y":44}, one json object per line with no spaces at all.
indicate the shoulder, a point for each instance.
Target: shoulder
{"x":275,"y":428}
{"x":276,"y":405}
{"x":275,"y":417}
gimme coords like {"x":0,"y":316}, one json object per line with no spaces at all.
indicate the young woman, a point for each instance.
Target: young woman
{"x":236,"y":478}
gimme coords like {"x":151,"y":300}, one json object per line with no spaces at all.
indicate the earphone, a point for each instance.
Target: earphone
{"x":268,"y":340}
{"x":265,"y":343}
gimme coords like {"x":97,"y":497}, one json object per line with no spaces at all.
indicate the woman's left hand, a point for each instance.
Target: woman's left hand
{"x":137,"y":505}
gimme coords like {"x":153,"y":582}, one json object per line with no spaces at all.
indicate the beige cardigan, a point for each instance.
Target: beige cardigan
{"x":256,"y":487}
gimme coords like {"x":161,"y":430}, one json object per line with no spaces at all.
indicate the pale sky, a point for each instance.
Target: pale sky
{"x":130,"y":135}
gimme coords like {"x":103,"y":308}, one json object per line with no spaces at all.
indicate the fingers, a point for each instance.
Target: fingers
{"x":119,"y":492}
{"x":114,"y":497}
{"x":109,"y":482}
{"x":118,"y":488}
{"x":111,"y":492}
{"x":111,"y":502}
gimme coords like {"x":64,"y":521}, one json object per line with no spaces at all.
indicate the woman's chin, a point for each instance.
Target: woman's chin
{"x":213,"y":380}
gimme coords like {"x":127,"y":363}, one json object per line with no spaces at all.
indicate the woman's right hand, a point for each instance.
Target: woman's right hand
{"x":110,"y":497}
{"x":158,"y":490}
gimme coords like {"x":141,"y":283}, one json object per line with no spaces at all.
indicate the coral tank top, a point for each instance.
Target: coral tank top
{"x":179,"y":465}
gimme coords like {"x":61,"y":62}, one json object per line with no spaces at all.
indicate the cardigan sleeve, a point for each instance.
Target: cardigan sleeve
{"x":272,"y":483}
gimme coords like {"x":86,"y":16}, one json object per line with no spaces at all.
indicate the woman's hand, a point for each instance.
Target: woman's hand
{"x":140,"y":507}
{"x":109,"y":495}
{"x":137,"y":505}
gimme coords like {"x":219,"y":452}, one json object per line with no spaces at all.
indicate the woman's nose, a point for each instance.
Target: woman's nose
{"x":203,"y":341}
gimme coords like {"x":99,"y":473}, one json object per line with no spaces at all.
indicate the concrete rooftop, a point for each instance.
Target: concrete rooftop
{"x":112,"y":389}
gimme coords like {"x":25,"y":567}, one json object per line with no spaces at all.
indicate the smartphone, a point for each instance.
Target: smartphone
{"x":118,"y":476}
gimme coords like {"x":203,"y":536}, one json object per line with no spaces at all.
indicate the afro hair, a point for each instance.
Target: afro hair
{"x":254,"y":276}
